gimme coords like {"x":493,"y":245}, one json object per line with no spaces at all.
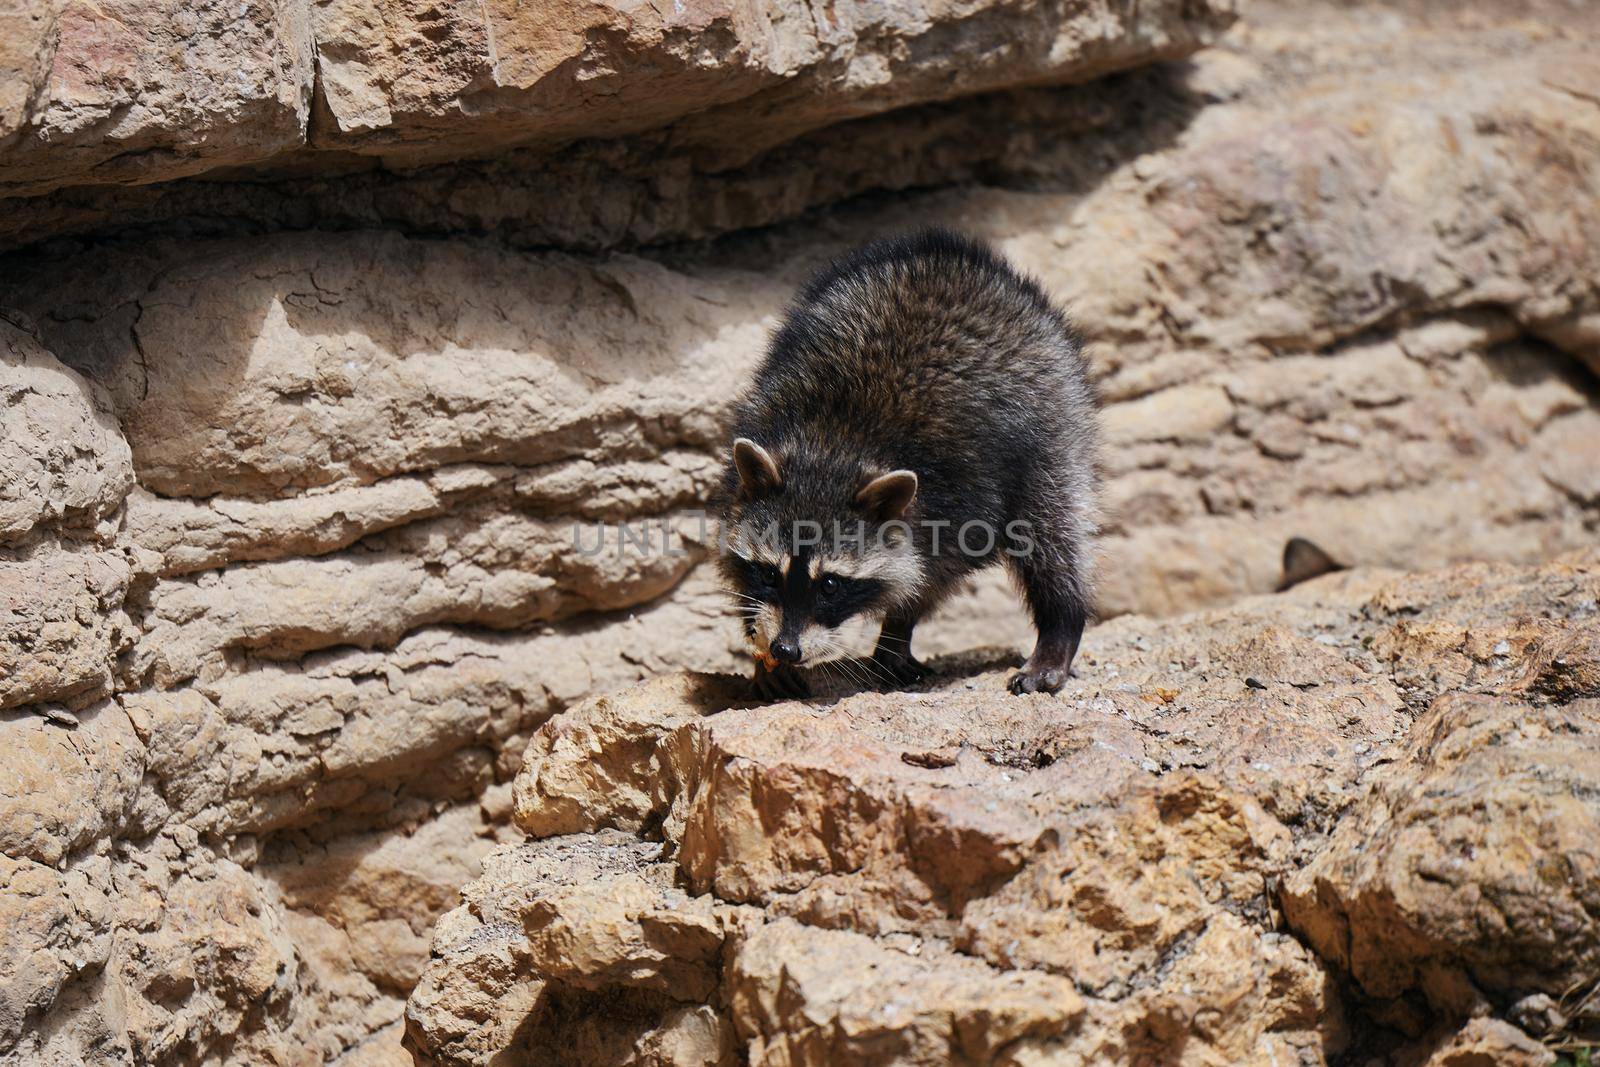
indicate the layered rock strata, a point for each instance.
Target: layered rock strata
{"x":288,"y":578}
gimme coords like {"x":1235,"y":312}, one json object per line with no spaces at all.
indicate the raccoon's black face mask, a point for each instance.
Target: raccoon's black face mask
{"x":810,"y":553}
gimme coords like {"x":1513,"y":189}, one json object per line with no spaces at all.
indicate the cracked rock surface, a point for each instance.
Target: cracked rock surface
{"x":1303,"y":827}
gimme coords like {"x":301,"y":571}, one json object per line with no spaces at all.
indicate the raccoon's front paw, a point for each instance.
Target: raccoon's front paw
{"x":897,"y":671}
{"x":782,"y":682}
{"x":1037,"y":679}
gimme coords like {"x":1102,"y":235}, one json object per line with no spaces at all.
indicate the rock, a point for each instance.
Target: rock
{"x":1488,"y":1043}
{"x":140,"y":90}
{"x":1080,"y":879}
{"x":174,"y":950}
{"x":360,"y":908}
{"x":633,"y":929}
{"x":1186,"y":413}
{"x":862,"y":1001}
{"x":62,"y":790}
{"x":303,"y":467}
{"x":28,"y":33}
{"x":612,"y":750}
{"x":644,"y":188}
{"x":61,"y":624}
{"x":262,"y":408}
{"x":736,"y":80}
{"x":66,"y":463}
{"x":415,"y":84}
{"x":54,"y":926}
{"x":66,"y":472}
{"x":1102,"y":866}
{"x":1465,"y":872}
{"x":1451,"y":436}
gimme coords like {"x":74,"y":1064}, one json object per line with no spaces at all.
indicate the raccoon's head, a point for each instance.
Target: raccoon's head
{"x":813,"y":544}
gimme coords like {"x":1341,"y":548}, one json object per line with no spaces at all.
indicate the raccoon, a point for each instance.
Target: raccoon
{"x":923,"y":411}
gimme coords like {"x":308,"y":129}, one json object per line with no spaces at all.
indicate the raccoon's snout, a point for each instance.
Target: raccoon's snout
{"x":786,"y":650}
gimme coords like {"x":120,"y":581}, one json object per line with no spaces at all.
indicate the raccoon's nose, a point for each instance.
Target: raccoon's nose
{"x":786,"y":650}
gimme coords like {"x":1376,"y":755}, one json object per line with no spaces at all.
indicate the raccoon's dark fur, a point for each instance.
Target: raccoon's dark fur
{"x":919,"y":380}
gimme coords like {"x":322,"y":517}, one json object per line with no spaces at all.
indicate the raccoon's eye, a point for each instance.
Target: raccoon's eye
{"x":829,"y":585}
{"x":768,"y":575}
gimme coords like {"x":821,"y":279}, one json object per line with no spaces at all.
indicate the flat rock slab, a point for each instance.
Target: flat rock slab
{"x":955,"y":875}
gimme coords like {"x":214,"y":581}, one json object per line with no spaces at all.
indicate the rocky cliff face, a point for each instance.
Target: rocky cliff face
{"x":1326,"y":824}
{"x":292,"y":450}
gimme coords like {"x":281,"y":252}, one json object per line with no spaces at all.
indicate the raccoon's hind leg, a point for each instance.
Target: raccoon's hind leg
{"x":1054,"y":583}
{"x":892,"y":660}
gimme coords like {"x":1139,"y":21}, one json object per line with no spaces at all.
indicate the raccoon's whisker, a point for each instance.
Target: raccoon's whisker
{"x":826,"y":652}
{"x":859,"y":671}
{"x":851,"y":669}
{"x":839,"y":669}
{"x":831,"y":653}
{"x":869,"y":672}
{"x":876,"y":670}
{"x":838,"y":648}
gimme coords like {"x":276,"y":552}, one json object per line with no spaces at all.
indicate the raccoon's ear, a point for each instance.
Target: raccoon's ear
{"x":1304,"y":560}
{"x":887,"y":496}
{"x":758,"y":471}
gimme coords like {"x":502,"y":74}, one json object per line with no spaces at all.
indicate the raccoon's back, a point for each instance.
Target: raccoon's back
{"x":930,"y":342}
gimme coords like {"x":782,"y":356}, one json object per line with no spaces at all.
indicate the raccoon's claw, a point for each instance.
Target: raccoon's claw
{"x":1033,"y":679}
{"x":897,"y":672}
{"x":783,"y":682}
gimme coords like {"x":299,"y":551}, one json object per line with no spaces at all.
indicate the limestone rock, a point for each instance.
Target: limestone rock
{"x":144,"y":90}
{"x":62,"y":790}
{"x":1468,"y":871}
{"x":173,"y":951}
{"x":66,"y":464}
{"x":360,"y":909}
{"x":603,"y":913}
{"x":54,"y":926}
{"x":611,"y":750}
{"x":1488,"y":1041}
{"x":268,"y":708}
{"x":412,"y":82}
{"x":139,"y":90}
{"x":1102,"y":867}
{"x":61,"y":623}
{"x":864,"y":1002}
{"x":64,"y":472}
{"x":27,"y":47}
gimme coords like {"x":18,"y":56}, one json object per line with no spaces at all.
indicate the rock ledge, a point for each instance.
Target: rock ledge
{"x":1361,"y":814}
